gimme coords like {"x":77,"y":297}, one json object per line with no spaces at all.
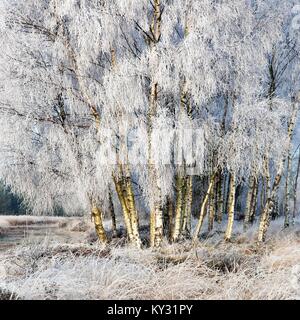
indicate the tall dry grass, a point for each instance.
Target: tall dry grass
{"x":210,"y":270}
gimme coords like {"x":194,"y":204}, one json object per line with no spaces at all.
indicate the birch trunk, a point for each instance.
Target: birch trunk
{"x":227,"y":187}
{"x":295,"y":190}
{"x":212,"y":211}
{"x":204,"y":208}
{"x":113,"y":216}
{"x":186,"y":227}
{"x":265,"y":217}
{"x":152,"y":228}
{"x":254,"y":201}
{"x":275,"y":211}
{"x":230,"y":222}
{"x":262,"y":193}
{"x":158,"y":233}
{"x":183,"y":212}
{"x":170,"y":217}
{"x":287,"y":192}
{"x":126,"y":214}
{"x":130,"y":204}
{"x":166,"y":218}
{"x":267,"y":176}
{"x":156,"y":214}
{"x":222,"y":178}
{"x":178,"y":208}
{"x":249,"y":202}
{"x":220,"y":199}
{"x":98,"y":222}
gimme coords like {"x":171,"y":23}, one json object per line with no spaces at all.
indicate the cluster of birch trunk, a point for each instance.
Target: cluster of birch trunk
{"x":198,"y":205}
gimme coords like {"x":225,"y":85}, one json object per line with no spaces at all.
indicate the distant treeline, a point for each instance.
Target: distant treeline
{"x":10,"y":204}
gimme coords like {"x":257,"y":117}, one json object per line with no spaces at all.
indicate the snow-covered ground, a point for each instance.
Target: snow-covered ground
{"x":77,"y":268}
